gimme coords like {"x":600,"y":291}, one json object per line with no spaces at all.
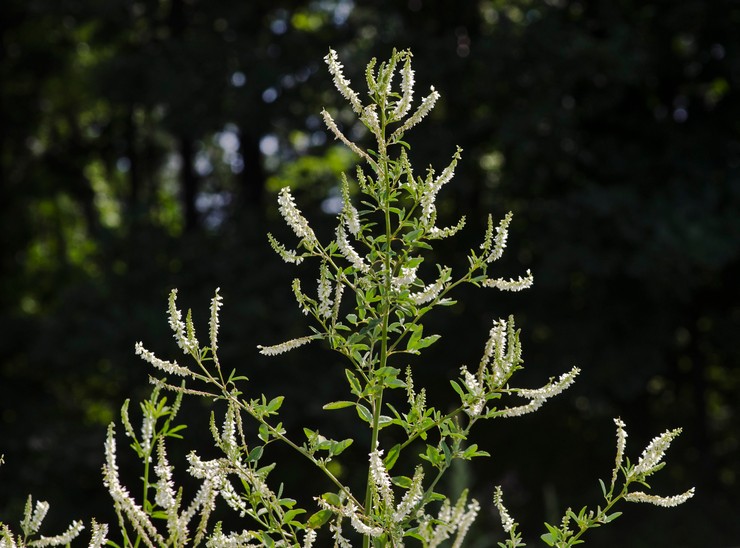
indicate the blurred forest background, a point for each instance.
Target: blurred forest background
{"x":141,"y":147}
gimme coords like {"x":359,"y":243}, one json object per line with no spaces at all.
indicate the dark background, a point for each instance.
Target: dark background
{"x":141,"y":146}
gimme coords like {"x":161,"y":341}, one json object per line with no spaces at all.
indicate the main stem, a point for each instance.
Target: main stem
{"x":386,"y":312}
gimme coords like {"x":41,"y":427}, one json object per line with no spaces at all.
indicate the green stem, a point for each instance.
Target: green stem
{"x":386,"y":312}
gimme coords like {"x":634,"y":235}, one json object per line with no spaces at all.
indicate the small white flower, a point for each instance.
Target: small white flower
{"x":285,"y":347}
{"x":511,"y":284}
{"x":430,"y":292}
{"x":99,"y":534}
{"x":324,"y":292}
{"x":294,"y":218}
{"x":167,"y":367}
{"x":411,"y":498}
{"x":348,"y":251}
{"x":406,"y":278}
{"x":667,"y":502}
{"x":216,"y":304}
{"x":427,"y":104}
{"x":341,"y":83}
{"x":506,"y":520}
{"x":621,"y":444}
{"x":380,"y":477}
{"x":332,"y":126}
{"x":289,"y":256}
{"x":654,"y":452}
{"x":531,"y":407}
{"x":476,"y":390}
{"x":309,"y":538}
{"x":551,"y":389}
{"x":499,"y":241}
{"x":407,"y":89}
{"x":177,"y":325}
{"x":68,"y":536}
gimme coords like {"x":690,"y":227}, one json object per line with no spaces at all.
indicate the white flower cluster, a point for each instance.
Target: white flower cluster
{"x":349,"y":214}
{"x":495,"y":352}
{"x":324,"y":292}
{"x":407,"y":90}
{"x":33,"y":516}
{"x":431,"y":291}
{"x":163,"y":365}
{"x":341,"y":83}
{"x":285,"y":346}
{"x":510,"y":285}
{"x":432,"y":187}
{"x":184,"y":334}
{"x":495,"y":245}
{"x":405,"y":279}
{"x":287,"y":255}
{"x":654,"y":452}
{"x":216,"y":304}
{"x":348,"y":251}
{"x":507,"y":521}
{"x":667,"y":502}
{"x":621,"y":445}
{"x":123,"y":502}
{"x":539,"y":396}
{"x":476,"y":391}
{"x":434,"y":531}
{"x":295,"y":219}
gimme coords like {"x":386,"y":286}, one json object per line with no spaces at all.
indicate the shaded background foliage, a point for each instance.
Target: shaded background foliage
{"x":142,"y":142}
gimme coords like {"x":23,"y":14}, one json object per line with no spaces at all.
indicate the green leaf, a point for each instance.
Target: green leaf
{"x":337,"y":447}
{"x":612,"y":517}
{"x":390,"y":459}
{"x":548,"y":539}
{"x":332,"y":498}
{"x":338,"y":405}
{"x":456,"y":387}
{"x":275,"y":404}
{"x":364,"y":413}
{"x":290,"y":514}
{"x":427,"y":341}
{"x":255,"y":454}
{"x":354,"y":383}
{"x":264,"y":433}
{"x":319,"y":518}
{"x":415,"y":337}
{"x":402,"y":481}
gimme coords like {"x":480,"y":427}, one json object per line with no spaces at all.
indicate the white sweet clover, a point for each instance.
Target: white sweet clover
{"x":187,"y":344}
{"x":431,"y":291}
{"x":341,"y":83}
{"x":332,"y":126}
{"x":295,"y":220}
{"x":407,"y":90}
{"x":214,"y":324}
{"x":506,"y":520}
{"x":380,"y":477}
{"x":289,"y":256}
{"x":285,"y":346}
{"x":168,"y":367}
{"x":349,"y":214}
{"x":667,"y":502}
{"x":476,"y":391}
{"x":621,"y":444}
{"x":348,"y":251}
{"x":510,"y":285}
{"x":427,"y":104}
{"x":654,"y":452}
{"x":324,"y":292}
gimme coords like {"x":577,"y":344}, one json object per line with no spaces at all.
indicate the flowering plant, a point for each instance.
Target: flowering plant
{"x":378,"y":256}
